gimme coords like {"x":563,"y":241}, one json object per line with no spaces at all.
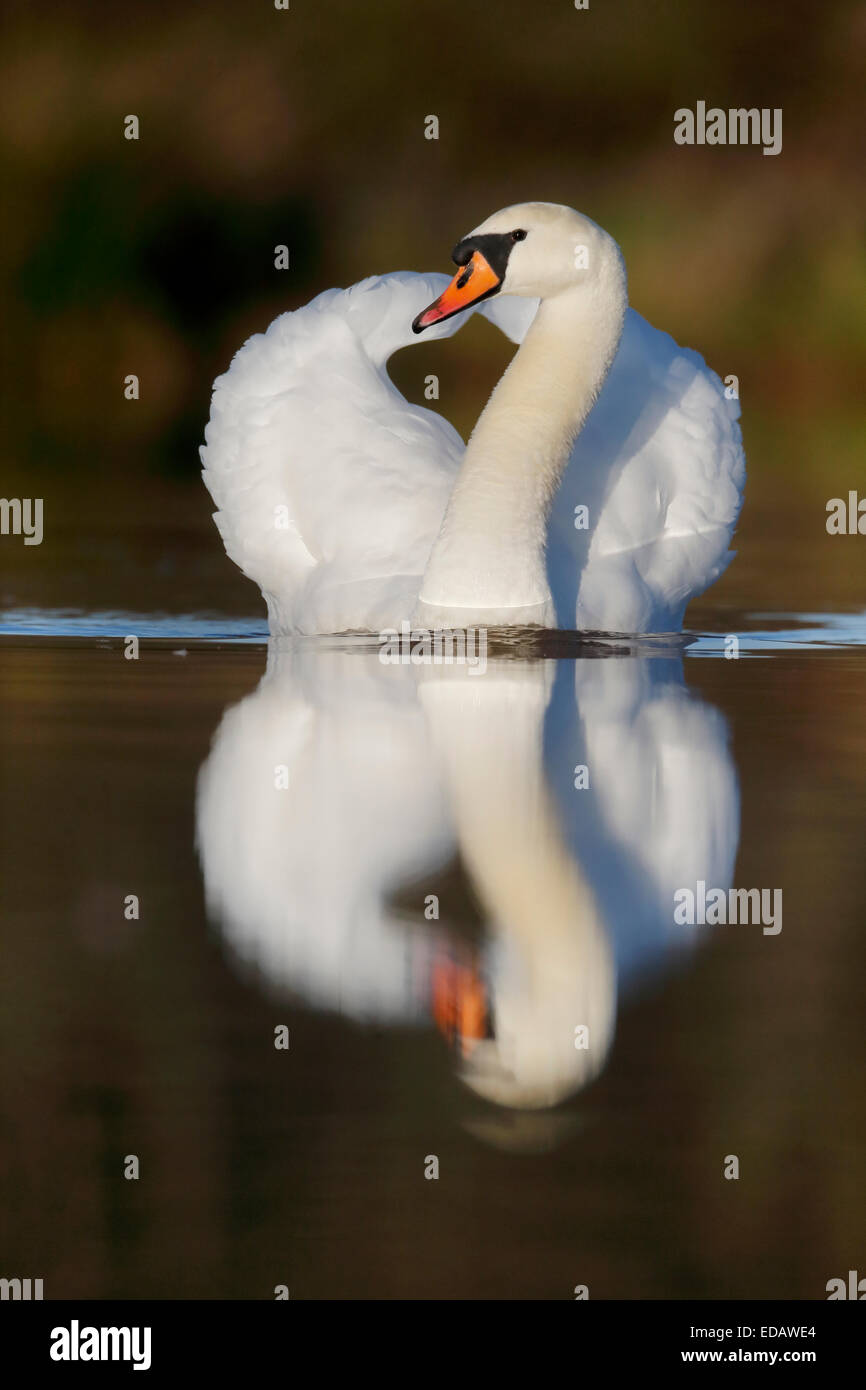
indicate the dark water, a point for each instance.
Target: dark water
{"x":394,"y":863}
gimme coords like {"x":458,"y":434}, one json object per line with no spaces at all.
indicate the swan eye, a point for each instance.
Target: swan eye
{"x":519,"y":235}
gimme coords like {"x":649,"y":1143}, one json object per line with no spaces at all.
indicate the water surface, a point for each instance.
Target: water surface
{"x":292,"y":821}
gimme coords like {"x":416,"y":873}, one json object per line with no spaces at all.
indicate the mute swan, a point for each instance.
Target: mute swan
{"x":356,"y":511}
{"x":395,"y":770}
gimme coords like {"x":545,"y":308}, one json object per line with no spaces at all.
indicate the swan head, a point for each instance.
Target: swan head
{"x":514,"y":1024}
{"x":534,"y":250}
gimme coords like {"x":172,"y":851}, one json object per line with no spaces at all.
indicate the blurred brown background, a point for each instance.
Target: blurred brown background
{"x":306,"y":127}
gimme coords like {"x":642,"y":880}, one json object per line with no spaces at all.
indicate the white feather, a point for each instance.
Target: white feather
{"x":331,"y":488}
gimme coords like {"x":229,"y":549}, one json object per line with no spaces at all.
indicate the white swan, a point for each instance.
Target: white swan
{"x":355,"y":511}
{"x":319,"y":881}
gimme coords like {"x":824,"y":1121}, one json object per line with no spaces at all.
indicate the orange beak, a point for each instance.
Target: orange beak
{"x":473,"y":281}
{"x":459,"y":1003}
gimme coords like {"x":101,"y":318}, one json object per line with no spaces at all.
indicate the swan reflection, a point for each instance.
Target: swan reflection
{"x":496,"y":855}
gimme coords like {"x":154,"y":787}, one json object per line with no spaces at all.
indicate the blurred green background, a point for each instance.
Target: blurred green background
{"x":306,"y":127}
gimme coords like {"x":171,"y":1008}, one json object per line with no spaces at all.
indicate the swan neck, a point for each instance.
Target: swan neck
{"x":489,"y":557}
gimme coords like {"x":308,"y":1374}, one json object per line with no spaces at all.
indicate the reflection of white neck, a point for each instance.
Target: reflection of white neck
{"x":488,"y":559}
{"x":557,"y":971}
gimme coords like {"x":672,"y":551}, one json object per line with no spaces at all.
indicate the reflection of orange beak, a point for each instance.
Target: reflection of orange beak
{"x":475,"y":280}
{"x":459,"y":1003}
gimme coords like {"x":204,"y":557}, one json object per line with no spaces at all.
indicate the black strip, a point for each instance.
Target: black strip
{"x":495,"y":247}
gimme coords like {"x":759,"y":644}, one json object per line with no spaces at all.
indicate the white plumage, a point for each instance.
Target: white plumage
{"x":661,"y":461}
{"x":394,"y":771}
{"x":331,"y":488}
